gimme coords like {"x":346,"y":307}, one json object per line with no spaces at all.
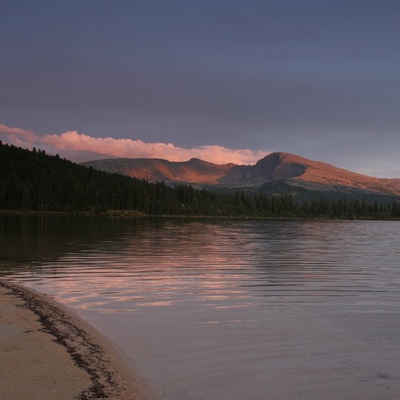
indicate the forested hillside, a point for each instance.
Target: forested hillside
{"x":35,"y":181}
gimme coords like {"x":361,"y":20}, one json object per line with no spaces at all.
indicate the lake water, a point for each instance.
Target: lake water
{"x":227,"y":309}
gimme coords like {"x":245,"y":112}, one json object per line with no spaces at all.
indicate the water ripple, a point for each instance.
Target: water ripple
{"x":207,"y":297}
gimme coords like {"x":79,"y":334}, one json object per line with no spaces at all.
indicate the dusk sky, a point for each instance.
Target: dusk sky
{"x":225,"y":81}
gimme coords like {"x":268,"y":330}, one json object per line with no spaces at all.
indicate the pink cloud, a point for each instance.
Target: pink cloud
{"x":78,"y":147}
{"x":18,"y":136}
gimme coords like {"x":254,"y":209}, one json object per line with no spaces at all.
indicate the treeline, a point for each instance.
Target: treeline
{"x":35,"y":181}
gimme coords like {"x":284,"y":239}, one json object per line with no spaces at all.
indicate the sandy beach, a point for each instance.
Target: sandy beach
{"x":49,"y":353}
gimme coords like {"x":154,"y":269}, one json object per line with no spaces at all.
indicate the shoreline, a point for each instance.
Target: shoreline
{"x":97,"y":372}
{"x":133,"y":214}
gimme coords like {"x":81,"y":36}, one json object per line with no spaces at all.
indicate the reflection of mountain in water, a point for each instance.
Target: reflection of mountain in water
{"x":32,"y":239}
{"x":188,"y":295}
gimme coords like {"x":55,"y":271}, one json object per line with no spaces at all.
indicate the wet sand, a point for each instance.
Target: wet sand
{"x":49,"y":353}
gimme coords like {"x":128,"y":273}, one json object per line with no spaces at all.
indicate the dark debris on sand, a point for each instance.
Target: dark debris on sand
{"x":83,"y":350}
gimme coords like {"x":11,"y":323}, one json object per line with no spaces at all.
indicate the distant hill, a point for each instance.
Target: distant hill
{"x":277,"y":173}
{"x":35,"y":181}
{"x":157,"y":170}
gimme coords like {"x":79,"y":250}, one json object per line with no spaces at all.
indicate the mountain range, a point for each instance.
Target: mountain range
{"x":275,"y":174}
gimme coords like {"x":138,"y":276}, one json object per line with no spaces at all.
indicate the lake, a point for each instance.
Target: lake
{"x":227,"y":309}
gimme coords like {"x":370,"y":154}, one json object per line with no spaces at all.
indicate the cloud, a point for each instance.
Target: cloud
{"x":79,"y":147}
{"x":19,"y":136}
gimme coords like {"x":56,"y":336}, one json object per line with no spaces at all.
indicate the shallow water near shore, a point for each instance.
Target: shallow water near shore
{"x":212,"y":309}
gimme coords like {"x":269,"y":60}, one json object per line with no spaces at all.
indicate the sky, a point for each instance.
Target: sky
{"x":224,"y":81}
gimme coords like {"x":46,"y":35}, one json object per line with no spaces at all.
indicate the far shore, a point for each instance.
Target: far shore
{"x":137,"y":214}
{"x":49,"y":353}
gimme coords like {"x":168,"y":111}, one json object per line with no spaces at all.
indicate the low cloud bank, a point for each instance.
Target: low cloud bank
{"x":80,"y":147}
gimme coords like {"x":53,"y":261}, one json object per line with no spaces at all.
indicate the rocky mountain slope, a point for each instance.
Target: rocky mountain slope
{"x":276,"y":173}
{"x":194,"y":171}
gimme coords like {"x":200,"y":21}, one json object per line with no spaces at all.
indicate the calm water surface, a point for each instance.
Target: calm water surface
{"x":218,"y":309}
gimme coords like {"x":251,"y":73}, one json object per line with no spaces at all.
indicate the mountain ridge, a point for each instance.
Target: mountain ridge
{"x":296,"y":175}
